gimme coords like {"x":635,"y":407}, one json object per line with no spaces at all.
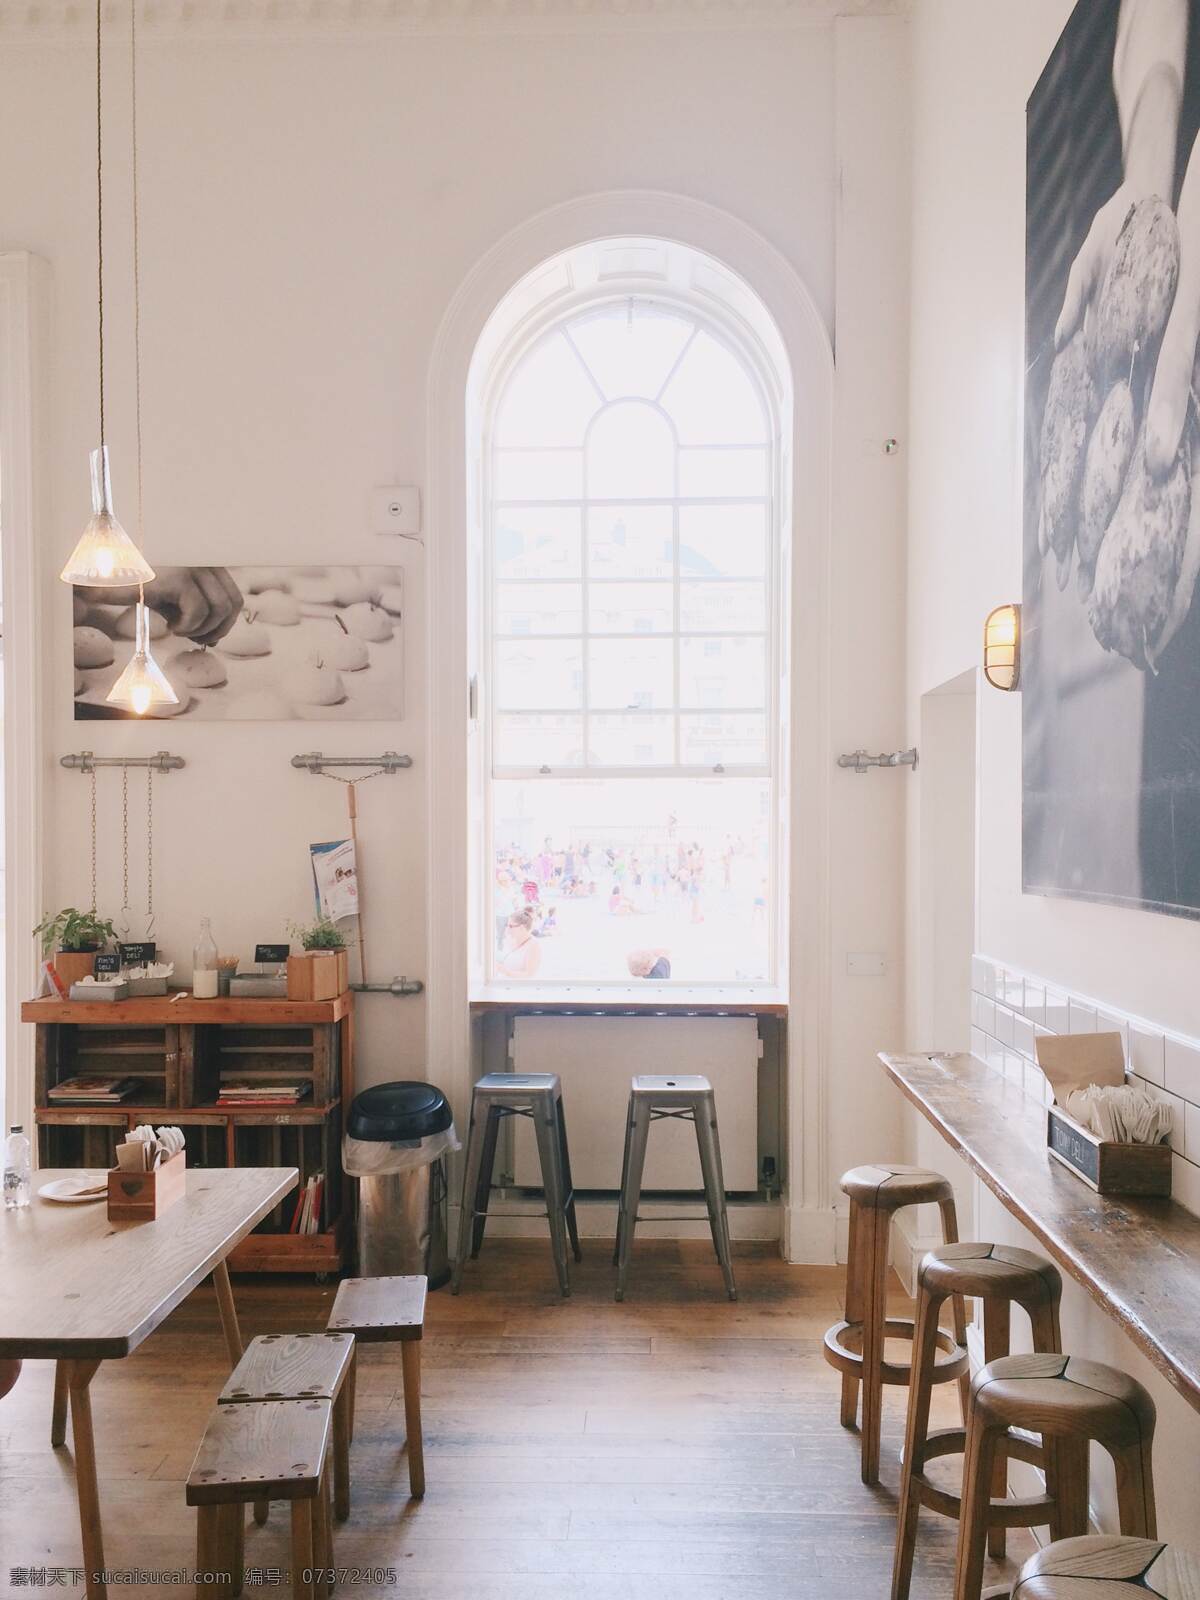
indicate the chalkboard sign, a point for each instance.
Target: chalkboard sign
{"x":272,"y":954}
{"x":108,"y":963}
{"x":1081,"y":1154}
{"x":138,"y":955}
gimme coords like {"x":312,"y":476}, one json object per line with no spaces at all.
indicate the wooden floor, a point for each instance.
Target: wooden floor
{"x":675,"y":1447}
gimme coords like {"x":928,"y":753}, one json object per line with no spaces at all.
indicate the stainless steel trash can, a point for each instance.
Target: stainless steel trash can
{"x":398,"y":1134}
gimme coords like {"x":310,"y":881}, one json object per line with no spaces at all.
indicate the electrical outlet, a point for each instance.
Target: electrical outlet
{"x":396,"y":511}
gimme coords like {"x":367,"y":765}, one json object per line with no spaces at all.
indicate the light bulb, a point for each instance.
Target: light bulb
{"x":105,"y":557}
{"x":143,"y":684}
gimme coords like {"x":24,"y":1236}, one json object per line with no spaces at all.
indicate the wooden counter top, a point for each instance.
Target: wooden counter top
{"x":1138,"y":1259}
{"x":155,"y":1012}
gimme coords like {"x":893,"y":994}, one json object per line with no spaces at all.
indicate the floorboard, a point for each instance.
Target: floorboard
{"x":674,"y":1447}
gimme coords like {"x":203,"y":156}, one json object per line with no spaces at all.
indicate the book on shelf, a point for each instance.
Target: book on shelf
{"x":262,"y":1094}
{"x":306,"y":1218}
{"x":93,"y":1089}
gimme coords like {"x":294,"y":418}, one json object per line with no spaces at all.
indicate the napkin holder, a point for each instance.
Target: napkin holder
{"x":1073,"y":1061}
{"x":143,"y":1196}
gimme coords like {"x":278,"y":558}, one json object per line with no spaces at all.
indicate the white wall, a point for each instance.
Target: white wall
{"x":974,"y":64}
{"x":311,"y":202}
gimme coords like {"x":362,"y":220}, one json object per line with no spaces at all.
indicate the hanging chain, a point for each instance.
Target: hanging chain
{"x":125,"y":851}
{"x":351,"y":782}
{"x":149,"y":853}
{"x":93,"y":841}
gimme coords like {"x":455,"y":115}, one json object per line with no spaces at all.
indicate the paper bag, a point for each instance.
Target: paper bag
{"x":1075,"y":1060}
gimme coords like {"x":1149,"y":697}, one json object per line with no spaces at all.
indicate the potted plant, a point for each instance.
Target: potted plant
{"x":322,"y":972}
{"x":74,"y":939}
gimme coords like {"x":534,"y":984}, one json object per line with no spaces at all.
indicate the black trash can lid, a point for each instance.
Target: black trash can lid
{"x":391,"y":1111}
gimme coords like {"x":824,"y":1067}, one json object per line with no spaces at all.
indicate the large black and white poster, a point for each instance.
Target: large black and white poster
{"x":1111,"y":648}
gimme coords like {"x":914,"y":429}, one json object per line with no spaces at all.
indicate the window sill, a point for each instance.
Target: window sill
{"x":654,"y":999}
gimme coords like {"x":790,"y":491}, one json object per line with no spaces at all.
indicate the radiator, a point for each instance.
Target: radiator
{"x":596,"y":1056}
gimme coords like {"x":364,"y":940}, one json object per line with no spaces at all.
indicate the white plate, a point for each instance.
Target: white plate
{"x":66,"y":1190}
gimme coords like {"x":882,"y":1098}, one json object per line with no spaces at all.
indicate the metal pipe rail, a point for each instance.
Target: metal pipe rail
{"x":859,"y":761}
{"x":390,"y":761}
{"x":88,"y":761}
{"x":401,"y":988}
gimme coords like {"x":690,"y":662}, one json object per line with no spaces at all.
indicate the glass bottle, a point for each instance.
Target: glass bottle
{"x":17,"y":1170}
{"x":204,"y":963}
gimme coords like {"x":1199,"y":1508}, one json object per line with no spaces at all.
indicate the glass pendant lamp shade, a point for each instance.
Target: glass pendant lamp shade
{"x":105,"y":557}
{"x":143,"y":685}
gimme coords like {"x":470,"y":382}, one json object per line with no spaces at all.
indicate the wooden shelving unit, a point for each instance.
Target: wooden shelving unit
{"x":182,"y":1050}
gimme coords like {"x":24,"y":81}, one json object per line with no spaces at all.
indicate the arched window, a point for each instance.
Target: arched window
{"x":630,"y":520}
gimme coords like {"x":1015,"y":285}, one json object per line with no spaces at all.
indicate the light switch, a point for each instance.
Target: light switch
{"x":396,"y":511}
{"x":866,"y":964}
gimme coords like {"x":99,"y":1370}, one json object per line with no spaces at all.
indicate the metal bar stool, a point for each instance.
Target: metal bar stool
{"x":1108,"y":1567}
{"x":538,"y":1096}
{"x":1070,"y":1402}
{"x":1000,"y":1276}
{"x":856,"y":1346}
{"x":687,"y":1098}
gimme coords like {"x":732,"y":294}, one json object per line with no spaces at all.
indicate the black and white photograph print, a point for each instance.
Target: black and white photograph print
{"x":261,"y":644}
{"x":1111,"y":630}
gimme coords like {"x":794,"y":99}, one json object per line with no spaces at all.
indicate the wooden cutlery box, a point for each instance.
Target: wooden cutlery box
{"x":143,"y":1196}
{"x":1072,"y":1061}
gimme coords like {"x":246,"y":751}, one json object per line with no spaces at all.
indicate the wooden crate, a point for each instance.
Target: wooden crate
{"x":1104,"y":1166}
{"x":318,"y":975}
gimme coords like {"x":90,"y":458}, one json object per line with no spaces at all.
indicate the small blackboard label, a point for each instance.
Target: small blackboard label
{"x":138,"y":955}
{"x":271,"y":954}
{"x":108,"y":963}
{"x":1077,"y":1152}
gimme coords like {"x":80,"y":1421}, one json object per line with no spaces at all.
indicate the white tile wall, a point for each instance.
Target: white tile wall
{"x":1009,"y":1010}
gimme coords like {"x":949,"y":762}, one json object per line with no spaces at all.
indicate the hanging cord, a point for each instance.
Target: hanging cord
{"x":137,"y":288}
{"x":149,"y":853}
{"x":125,"y":851}
{"x":93,"y":841}
{"x":352,"y":808}
{"x":100,"y":200}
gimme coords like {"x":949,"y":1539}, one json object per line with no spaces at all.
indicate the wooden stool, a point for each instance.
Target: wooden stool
{"x":1069,"y":1402}
{"x":1112,"y":1568}
{"x":273,"y":1449}
{"x":387,"y":1310}
{"x":856,"y":1346}
{"x":300,"y":1366}
{"x":1000,"y":1276}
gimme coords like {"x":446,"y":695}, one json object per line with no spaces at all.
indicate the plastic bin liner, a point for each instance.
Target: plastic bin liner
{"x":374,"y":1158}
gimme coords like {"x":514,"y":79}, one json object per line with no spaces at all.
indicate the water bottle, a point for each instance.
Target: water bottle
{"x":17,"y":1170}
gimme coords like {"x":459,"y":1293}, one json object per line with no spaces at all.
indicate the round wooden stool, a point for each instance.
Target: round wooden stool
{"x":1001,"y":1276}
{"x":1112,"y":1568}
{"x":1069,"y":1402}
{"x":856,"y":1346}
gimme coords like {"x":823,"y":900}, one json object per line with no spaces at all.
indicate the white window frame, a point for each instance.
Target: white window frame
{"x":772,"y":383}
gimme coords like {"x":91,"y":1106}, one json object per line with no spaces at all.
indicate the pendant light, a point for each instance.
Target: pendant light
{"x":105,"y":557}
{"x":143,"y":685}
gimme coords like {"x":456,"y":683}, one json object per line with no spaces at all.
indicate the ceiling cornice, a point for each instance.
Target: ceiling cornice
{"x":75,"y":19}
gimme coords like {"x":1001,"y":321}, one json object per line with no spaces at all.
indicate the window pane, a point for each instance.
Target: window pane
{"x":631,"y":608}
{"x":530,"y":741}
{"x":540,"y":475}
{"x":631,"y":453}
{"x":617,"y":870}
{"x":623,"y":740}
{"x":732,"y":740}
{"x":630,"y":674}
{"x":711,"y":399}
{"x":538,"y":675}
{"x":722,"y":672}
{"x":533,"y":543}
{"x":722,"y":541}
{"x":549,"y":399}
{"x":713,"y":474}
{"x":630,"y":347}
{"x":630,"y":542}
{"x":715,"y":607}
{"x":539,"y":608}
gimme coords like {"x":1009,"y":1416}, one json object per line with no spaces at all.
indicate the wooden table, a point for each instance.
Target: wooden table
{"x":1138,"y":1259}
{"x":81,"y":1290}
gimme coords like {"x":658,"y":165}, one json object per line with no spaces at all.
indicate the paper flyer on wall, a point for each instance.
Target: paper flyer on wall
{"x":335,"y":878}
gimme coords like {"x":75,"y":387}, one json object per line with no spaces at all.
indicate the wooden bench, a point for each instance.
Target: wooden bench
{"x":301,"y":1366}
{"x":267,"y":1449}
{"x":389,"y":1310}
